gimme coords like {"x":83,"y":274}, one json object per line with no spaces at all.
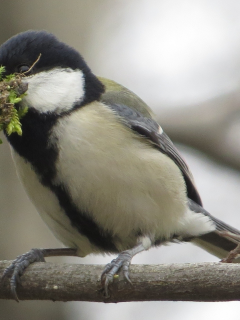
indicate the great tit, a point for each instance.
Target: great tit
{"x":97,"y":166}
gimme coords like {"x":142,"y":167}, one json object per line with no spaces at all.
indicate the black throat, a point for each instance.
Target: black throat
{"x":33,"y":145}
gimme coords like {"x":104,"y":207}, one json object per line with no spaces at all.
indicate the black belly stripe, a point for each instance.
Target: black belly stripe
{"x":33,"y":146}
{"x":83,"y":222}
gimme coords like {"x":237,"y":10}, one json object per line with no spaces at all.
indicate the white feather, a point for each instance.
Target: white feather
{"x":55,"y":90}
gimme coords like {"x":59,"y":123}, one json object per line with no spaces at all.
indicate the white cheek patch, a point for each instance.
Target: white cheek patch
{"x":56,"y":90}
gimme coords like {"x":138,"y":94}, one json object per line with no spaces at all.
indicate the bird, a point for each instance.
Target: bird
{"x":98,"y":167}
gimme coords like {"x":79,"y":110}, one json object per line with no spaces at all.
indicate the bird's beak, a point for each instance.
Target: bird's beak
{"x":22,"y":88}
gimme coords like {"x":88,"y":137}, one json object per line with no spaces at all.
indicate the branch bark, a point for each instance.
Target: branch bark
{"x":174,"y":282}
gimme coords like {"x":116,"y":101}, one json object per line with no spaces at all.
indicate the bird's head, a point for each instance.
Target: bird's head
{"x":57,"y":76}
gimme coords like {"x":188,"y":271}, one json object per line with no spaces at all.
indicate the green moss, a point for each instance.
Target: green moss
{"x":12,"y":90}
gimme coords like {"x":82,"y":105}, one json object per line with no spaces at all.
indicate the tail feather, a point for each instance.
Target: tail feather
{"x":213,"y":242}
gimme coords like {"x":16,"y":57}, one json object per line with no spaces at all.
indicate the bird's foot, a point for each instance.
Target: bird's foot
{"x":122,"y":261}
{"x":19,"y":265}
{"x":233,"y":254}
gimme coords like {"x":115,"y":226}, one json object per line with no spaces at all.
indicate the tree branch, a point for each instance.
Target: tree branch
{"x":174,"y":282}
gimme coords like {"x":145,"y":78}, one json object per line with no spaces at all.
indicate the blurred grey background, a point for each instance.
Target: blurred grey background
{"x":183,"y":58}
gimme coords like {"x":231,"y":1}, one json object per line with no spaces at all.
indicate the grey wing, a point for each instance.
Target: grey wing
{"x":150,"y":129}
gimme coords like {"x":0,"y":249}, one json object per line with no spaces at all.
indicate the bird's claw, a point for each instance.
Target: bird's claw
{"x":19,"y":265}
{"x":122,"y":261}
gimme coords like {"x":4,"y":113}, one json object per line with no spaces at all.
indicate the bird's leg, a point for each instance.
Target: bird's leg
{"x":123,"y":261}
{"x":232,"y":255}
{"x":235,"y":252}
{"x":20,"y":264}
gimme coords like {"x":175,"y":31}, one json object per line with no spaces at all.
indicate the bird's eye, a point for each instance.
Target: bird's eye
{"x":23,"y":68}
